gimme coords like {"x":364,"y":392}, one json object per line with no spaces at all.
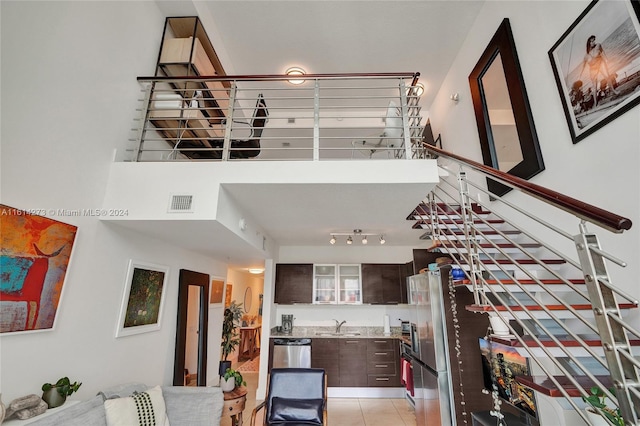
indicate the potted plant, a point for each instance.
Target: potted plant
{"x":598,"y":405}
{"x":231,"y":379}
{"x":56,"y":395}
{"x":230,"y":335}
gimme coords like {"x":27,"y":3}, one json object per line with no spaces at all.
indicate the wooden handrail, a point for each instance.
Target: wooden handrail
{"x":588,"y":212}
{"x":284,"y":77}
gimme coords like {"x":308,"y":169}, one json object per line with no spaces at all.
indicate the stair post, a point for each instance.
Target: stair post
{"x":227,"y":130}
{"x":612,"y":333}
{"x":466,"y":213}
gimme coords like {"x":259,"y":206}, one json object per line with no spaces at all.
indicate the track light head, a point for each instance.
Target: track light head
{"x":349,"y":240}
{"x":332,"y":240}
{"x":364,"y":240}
{"x":382,"y":240}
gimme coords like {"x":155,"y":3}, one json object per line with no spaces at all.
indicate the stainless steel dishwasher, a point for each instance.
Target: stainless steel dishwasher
{"x":291,"y":352}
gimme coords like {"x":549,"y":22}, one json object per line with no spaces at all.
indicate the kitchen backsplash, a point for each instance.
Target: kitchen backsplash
{"x":355,"y":315}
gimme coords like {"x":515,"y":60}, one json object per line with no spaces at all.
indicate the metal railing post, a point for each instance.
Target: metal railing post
{"x":316,"y":121}
{"x":137,"y":152}
{"x":229,"y":123}
{"x":466,"y":214}
{"x":613,"y":335}
{"x":405,"y":122}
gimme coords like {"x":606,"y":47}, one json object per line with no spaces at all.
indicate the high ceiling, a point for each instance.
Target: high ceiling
{"x":267,"y":37}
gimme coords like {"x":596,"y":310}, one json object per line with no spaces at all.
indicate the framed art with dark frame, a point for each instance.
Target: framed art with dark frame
{"x":142,"y":299}
{"x":508,"y":137}
{"x":596,"y":64}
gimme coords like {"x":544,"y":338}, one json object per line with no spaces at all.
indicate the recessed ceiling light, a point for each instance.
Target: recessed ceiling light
{"x":256,"y":271}
{"x":295,"y":71}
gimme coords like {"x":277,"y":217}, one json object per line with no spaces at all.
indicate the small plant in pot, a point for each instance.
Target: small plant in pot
{"x":598,"y":400}
{"x":231,"y":379}
{"x":230,"y":334}
{"x":55,"y":395}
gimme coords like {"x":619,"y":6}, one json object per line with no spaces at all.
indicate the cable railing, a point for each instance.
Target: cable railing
{"x":548,"y":283}
{"x":266,"y":117}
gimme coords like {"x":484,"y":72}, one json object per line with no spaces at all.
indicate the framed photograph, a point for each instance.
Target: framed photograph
{"x":596,"y":64}
{"x":227,"y":295}
{"x":143,"y":298}
{"x":34,"y":257}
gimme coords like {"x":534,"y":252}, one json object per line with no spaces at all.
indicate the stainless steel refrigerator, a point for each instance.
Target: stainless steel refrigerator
{"x":430,"y":362}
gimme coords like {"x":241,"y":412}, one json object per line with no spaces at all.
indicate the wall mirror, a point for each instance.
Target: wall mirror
{"x":505,"y":125}
{"x":248,"y":295}
{"x":190,"y":363}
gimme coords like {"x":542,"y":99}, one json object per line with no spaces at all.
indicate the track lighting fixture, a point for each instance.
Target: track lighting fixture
{"x":356,"y":233}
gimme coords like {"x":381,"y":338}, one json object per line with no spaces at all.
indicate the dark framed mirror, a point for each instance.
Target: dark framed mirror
{"x":507,"y":133}
{"x":190,"y":364}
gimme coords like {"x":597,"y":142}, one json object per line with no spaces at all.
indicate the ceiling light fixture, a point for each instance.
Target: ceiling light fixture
{"x":294,"y":71}
{"x":256,"y":271}
{"x":356,"y":233}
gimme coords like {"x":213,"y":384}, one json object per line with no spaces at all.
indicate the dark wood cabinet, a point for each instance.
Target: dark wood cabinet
{"x":325,"y":354}
{"x":358,"y":362}
{"x":294,"y":283}
{"x":382,"y":283}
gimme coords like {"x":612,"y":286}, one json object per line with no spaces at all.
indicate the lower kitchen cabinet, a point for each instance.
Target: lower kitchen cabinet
{"x":359,"y":362}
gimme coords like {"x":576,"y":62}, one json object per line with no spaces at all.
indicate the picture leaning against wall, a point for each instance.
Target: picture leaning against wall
{"x":34,"y":257}
{"x":596,"y":64}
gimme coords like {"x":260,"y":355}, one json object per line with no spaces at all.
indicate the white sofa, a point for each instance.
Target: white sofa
{"x":187,"y":406}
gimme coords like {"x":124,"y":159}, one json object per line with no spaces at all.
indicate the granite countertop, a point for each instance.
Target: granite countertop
{"x":345,"y":332}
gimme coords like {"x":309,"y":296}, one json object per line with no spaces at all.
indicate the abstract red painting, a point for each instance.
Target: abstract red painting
{"x":34,"y":256}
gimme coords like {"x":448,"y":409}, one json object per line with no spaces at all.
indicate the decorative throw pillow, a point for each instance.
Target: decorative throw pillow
{"x":305,"y":411}
{"x":142,"y":408}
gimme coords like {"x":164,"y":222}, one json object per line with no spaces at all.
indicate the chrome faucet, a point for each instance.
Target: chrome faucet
{"x":338,"y":325}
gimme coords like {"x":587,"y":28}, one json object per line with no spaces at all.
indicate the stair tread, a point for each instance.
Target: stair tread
{"x":424,"y":209}
{"x":565,"y":340}
{"x":454,"y":221}
{"x":519,"y":261}
{"x":545,"y":386}
{"x":447,"y":231}
{"x":460,"y":244}
{"x":577,"y":307}
{"x":524,"y":282}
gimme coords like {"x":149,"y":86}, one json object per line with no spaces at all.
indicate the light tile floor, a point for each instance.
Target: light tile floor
{"x":343,"y":411}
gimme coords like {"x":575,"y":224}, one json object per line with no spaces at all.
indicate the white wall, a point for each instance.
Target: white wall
{"x":68,"y":96}
{"x":601,"y":169}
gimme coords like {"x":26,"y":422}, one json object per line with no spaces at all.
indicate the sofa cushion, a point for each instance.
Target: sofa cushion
{"x":143,"y":408}
{"x":122,"y":390}
{"x":303,"y":411}
{"x":89,"y":412}
{"x":193,"y":406}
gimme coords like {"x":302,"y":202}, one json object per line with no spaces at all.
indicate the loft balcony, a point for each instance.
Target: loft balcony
{"x":272,"y":117}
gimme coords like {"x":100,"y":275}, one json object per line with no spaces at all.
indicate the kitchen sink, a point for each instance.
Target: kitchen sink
{"x":337,"y":334}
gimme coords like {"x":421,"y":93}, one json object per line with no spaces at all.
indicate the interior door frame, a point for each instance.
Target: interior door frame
{"x":186,"y":279}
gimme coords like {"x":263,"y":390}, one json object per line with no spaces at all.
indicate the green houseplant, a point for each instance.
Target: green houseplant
{"x":597,"y":400}
{"x":56,"y":395}
{"x":239,"y":380}
{"x":230,"y":334}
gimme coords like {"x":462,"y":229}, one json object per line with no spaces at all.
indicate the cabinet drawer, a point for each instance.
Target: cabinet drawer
{"x":325,"y":348}
{"x":381,"y":356}
{"x":353,"y":348}
{"x":382,"y":344}
{"x":387,"y":368}
{"x":379,"y":381}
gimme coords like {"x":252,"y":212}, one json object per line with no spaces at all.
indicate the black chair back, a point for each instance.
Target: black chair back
{"x":295,"y":383}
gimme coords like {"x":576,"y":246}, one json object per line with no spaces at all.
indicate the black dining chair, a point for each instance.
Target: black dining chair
{"x":295,"y":396}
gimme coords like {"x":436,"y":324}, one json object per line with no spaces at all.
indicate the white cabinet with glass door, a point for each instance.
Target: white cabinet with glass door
{"x":340,"y":284}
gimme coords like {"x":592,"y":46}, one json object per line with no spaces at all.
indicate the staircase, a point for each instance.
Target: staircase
{"x":550,"y":286}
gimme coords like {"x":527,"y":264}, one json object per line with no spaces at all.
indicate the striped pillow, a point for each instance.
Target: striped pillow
{"x":140,"y":409}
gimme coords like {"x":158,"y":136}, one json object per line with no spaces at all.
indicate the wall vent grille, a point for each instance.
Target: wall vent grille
{"x":181,"y":204}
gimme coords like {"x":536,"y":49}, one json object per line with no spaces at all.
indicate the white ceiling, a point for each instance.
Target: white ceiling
{"x":267,"y":37}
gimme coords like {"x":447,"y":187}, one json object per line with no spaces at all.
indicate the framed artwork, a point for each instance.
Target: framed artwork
{"x":217,"y":288}
{"x":143,"y":297}
{"x":34,"y":257}
{"x":596,"y":64}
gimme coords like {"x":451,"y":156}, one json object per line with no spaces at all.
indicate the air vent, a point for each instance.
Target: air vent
{"x":291,"y":120}
{"x":181,"y":204}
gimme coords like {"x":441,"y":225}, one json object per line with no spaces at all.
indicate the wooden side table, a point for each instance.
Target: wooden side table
{"x":234,"y":403}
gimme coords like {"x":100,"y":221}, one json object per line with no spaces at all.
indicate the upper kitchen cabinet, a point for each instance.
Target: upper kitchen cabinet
{"x":340,"y":284}
{"x":294,"y":283}
{"x":383,"y":283}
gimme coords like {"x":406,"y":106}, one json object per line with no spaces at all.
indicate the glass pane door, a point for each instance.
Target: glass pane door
{"x":324,"y":283}
{"x":350,"y":284}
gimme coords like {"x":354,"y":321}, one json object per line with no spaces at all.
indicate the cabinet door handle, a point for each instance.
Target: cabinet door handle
{"x":380,"y":341}
{"x":382,"y":379}
{"x":380,"y":353}
{"x":351,"y":341}
{"x":382,"y":365}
